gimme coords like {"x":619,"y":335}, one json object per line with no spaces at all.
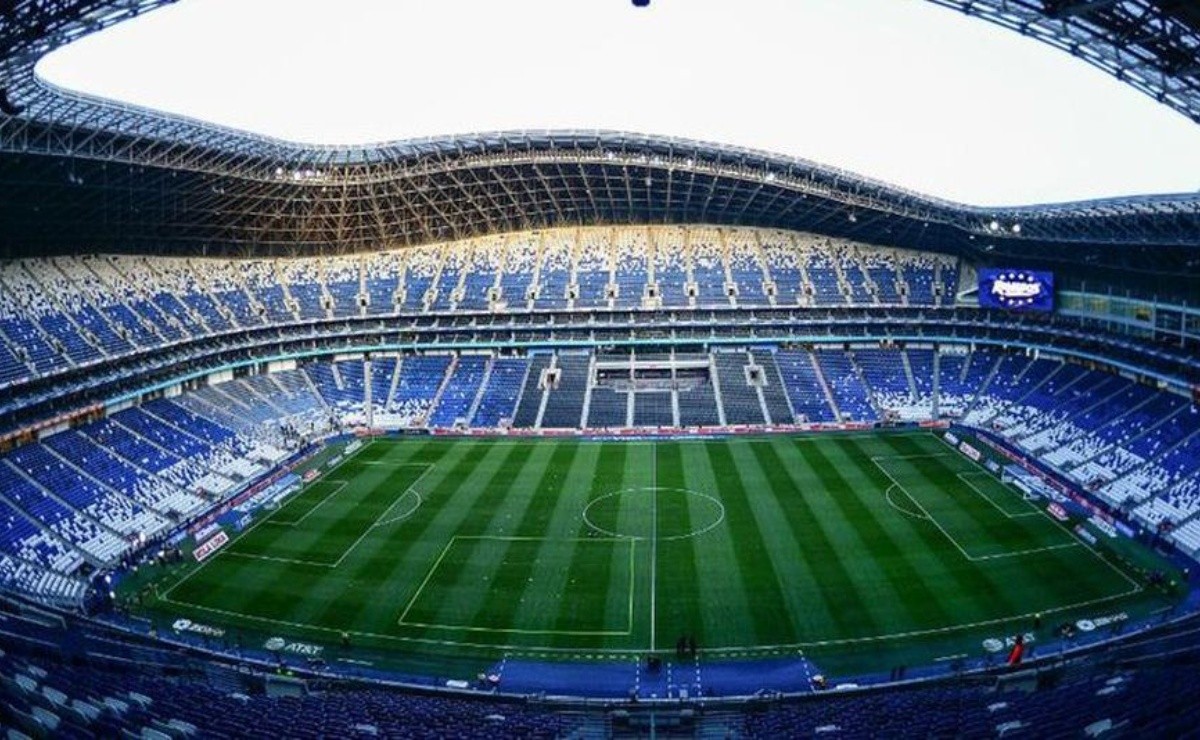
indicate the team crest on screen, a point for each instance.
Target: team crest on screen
{"x":1017,"y":289}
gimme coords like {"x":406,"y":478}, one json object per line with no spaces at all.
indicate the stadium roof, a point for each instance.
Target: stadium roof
{"x":907,"y":92}
{"x":78,"y":173}
{"x":1152,"y":45}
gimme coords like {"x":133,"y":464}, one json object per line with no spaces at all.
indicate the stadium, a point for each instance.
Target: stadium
{"x":587,"y":433}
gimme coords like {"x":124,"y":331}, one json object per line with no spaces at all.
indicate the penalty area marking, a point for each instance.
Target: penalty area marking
{"x":227,"y":550}
{"x":915,"y":456}
{"x":271,"y":519}
{"x":379,"y":522}
{"x":403,"y":516}
{"x":1074,"y":540}
{"x":1031,"y":510}
{"x":402,"y":622}
{"x":887,"y":495}
{"x":1070,"y":534}
{"x":412,"y":488}
{"x":973,"y":558}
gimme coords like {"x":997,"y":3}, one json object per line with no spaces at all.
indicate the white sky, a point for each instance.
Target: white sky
{"x":899,"y":90}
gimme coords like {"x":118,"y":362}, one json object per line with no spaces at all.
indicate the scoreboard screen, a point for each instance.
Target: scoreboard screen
{"x":1016,"y":289}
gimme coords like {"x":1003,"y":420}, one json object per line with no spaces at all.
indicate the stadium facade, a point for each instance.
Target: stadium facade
{"x":188,"y":313}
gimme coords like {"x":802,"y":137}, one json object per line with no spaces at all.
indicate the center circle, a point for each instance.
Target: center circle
{"x":654,"y":512}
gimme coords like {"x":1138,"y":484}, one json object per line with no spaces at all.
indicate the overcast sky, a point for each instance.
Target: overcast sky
{"x":899,"y":90}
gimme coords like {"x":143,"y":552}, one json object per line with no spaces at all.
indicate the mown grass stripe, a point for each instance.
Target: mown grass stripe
{"x":984,"y":589}
{"x":677,"y":608}
{"x":828,"y":540}
{"x":799,"y":594}
{"x":515,"y":581}
{"x":402,"y":551}
{"x":366,"y":574}
{"x":980,"y":590}
{"x":479,"y":506}
{"x":719,"y":603}
{"x":605,"y":474}
{"x":964,"y":512}
{"x":761,"y":596}
{"x":554,"y":592}
{"x":922,"y":573}
{"x":828,"y":604}
{"x":879,"y":570}
{"x":634,"y":515}
{"x":814,"y":555}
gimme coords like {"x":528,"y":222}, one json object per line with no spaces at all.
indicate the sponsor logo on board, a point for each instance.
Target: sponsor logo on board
{"x":202,"y":533}
{"x":1082,"y":533}
{"x":1089,"y":625}
{"x":187,"y":625}
{"x":280,"y":645}
{"x":996,"y":644}
{"x":969,"y":451}
{"x":209,"y":546}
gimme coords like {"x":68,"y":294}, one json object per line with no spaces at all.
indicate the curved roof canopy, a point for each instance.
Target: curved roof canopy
{"x":79,"y":174}
{"x":907,"y":92}
{"x":1152,"y":45}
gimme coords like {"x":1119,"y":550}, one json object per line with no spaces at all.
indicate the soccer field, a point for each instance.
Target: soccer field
{"x":859,"y":551}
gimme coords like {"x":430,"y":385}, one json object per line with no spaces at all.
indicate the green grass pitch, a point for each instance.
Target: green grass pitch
{"x":861,"y":551}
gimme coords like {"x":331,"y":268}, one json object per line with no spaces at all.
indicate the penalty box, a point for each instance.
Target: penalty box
{"x":528,"y":585}
{"x":977,"y":514}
